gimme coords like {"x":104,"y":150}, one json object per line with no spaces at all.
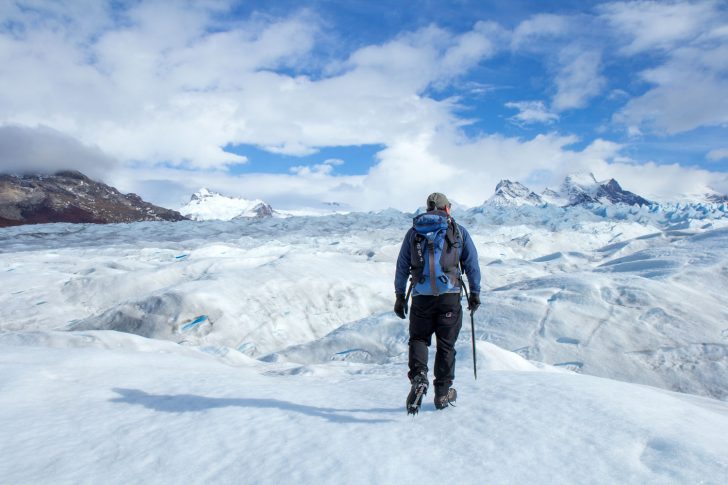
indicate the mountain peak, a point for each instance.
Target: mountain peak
{"x":581,"y":178}
{"x":202,"y":194}
{"x":508,"y":192}
{"x":581,"y":188}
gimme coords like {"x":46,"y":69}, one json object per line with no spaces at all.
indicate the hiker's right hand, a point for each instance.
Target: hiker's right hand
{"x":400,"y":307}
{"x":473,"y":302}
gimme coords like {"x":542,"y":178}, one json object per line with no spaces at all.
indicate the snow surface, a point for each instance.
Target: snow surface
{"x":266,"y":350}
{"x":84,"y":405}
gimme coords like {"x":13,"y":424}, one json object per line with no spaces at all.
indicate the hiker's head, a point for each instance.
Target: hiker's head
{"x":438,"y":201}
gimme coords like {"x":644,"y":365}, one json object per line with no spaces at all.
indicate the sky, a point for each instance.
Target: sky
{"x":370,"y":104}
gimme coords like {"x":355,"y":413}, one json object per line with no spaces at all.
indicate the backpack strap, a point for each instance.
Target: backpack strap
{"x":459,"y":236}
{"x":417,"y":259}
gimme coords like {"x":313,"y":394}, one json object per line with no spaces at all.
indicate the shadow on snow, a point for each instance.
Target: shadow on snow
{"x":183,"y":403}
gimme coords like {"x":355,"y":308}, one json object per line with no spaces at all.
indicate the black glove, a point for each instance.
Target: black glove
{"x":473,"y":302}
{"x":400,"y":306}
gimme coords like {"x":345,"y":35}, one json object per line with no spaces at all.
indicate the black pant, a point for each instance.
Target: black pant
{"x":443,"y":316}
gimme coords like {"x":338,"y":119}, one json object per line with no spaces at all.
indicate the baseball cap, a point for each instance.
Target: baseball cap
{"x":436,"y":200}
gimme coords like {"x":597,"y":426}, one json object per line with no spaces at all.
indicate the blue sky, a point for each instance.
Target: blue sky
{"x":367,"y":103}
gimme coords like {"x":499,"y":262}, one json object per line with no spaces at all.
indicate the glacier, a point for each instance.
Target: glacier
{"x":265,"y":349}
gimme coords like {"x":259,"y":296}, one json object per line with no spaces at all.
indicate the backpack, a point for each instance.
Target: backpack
{"x":435,"y":254}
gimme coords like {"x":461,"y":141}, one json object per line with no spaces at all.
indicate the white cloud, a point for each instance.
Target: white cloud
{"x":578,"y":79}
{"x":650,"y":25}
{"x":689,"y":92}
{"x":319,"y":169}
{"x":663,"y":182}
{"x":45,"y":150}
{"x":718,"y":154}
{"x":466,"y":171}
{"x":164,"y":86}
{"x":688,"y":87}
{"x":574,"y":60}
{"x":531,"y":112}
{"x":539,"y":27}
{"x":157,"y":87}
{"x":470,"y":48}
{"x":175,"y":82}
{"x":173,"y":187}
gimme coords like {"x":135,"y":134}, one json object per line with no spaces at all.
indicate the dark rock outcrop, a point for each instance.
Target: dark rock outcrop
{"x":717,"y":198}
{"x":614,"y":193}
{"x":263,"y":210}
{"x":70,"y":196}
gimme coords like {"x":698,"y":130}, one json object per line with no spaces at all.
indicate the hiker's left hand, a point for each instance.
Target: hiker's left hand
{"x":400,"y":307}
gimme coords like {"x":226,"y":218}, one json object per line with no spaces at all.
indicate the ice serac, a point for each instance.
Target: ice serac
{"x":205,"y":205}
{"x":508,"y":193}
{"x":70,"y":196}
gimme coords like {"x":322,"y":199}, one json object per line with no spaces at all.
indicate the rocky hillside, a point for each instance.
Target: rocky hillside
{"x":70,"y":196}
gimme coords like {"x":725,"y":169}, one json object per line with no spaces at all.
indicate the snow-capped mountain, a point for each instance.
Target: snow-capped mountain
{"x":553,"y":197}
{"x":205,"y":205}
{"x":514,"y":193}
{"x":585,"y":189}
{"x":575,"y":190}
{"x":70,"y":196}
{"x":717,"y":198}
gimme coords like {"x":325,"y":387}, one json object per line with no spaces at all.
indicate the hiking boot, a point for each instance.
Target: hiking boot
{"x":418,"y":390}
{"x":445,"y":400}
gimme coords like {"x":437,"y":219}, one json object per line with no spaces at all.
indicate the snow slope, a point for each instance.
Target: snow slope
{"x":78,"y":406}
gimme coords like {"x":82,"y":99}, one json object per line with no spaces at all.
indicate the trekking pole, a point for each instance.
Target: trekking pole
{"x":472,"y":330}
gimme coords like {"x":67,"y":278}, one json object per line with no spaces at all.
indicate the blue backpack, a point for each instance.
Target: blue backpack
{"x":435,"y":260}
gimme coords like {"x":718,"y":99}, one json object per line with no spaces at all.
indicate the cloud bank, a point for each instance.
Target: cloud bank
{"x":45,"y":150}
{"x":164,"y":87}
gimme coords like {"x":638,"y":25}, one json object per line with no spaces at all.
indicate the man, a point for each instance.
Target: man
{"x":433,"y":252}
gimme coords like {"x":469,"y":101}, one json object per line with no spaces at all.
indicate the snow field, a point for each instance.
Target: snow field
{"x":275,"y":355}
{"x":655,"y":315}
{"x":82,"y":405}
{"x":618,"y":298}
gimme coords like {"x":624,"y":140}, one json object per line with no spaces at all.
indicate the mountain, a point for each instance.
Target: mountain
{"x":205,"y":205}
{"x":553,"y":197}
{"x":716,"y":198}
{"x":509,"y":193}
{"x":70,"y":196}
{"x":585,"y":189}
{"x":575,"y":190}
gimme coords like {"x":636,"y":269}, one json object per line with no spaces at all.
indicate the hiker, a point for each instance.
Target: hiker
{"x":436,"y":289}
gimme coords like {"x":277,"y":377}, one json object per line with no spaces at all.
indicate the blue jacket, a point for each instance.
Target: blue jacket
{"x":468,"y":259}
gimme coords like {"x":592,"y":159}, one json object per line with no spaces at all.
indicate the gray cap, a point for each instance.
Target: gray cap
{"x":436,"y":200}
